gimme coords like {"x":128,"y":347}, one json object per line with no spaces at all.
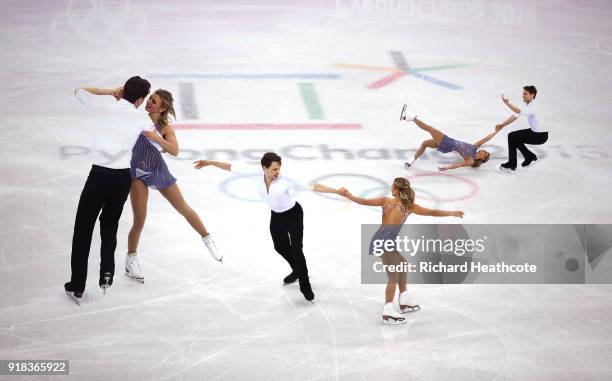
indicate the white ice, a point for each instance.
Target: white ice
{"x":198,"y":319}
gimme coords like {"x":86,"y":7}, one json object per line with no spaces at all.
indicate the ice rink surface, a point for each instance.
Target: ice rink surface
{"x":346,"y":67}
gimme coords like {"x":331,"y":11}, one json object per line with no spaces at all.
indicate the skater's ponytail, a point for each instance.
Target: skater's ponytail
{"x":168,"y":104}
{"x":405,"y":191}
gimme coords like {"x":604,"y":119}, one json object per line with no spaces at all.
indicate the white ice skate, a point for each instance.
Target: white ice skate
{"x":408,"y":303}
{"x":212,"y":248}
{"x":132,"y":268}
{"x":391,"y":316}
{"x":405,"y":116}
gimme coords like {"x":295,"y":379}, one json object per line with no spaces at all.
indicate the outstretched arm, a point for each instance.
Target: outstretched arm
{"x":379,"y":201}
{"x":506,"y":122}
{"x":486,"y":139}
{"x":116,"y":92}
{"x":219,"y":164}
{"x":466,"y":163}
{"x":421,"y":211}
{"x":510,"y":105}
{"x":320,"y":188}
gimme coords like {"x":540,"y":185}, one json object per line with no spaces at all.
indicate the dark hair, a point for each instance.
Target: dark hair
{"x":135,"y":88}
{"x":531,"y":90}
{"x":268,"y":158}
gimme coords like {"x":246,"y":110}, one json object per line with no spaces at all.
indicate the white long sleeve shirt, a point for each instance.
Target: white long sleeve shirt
{"x":280,"y":196}
{"x":529,"y":112}
{"x":115,"y":126}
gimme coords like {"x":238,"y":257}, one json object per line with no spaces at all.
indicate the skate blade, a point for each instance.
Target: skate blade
{"x":393,"y":321}
{"x":505,"y":170}
{"x":408,"y":309}
{"x":73,"y":298}
{"x":403,"y":114}
{"x":141,"y":280}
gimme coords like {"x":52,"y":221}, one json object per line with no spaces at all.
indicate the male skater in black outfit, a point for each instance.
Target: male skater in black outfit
{"x":108,"y":184}
{"x":286,"y":218}
{"x":534,"y":135}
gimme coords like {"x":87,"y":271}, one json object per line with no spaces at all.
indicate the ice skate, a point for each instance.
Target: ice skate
{"x":132,"y":268}
{"x":73,"y":295}
{"x":392,"y":317}
{"x":291,"y":278}
{"x":212,"y":248}
{"x":106,"y":280}
{"x":407,"y":303}
{"x":405,"y":116}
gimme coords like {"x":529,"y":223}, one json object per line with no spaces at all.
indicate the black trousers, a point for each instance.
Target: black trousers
{"x":105,"y":190}
{"x":287,"y":230}
{"x":518,"y":139}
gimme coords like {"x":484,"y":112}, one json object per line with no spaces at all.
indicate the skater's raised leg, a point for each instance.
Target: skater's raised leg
{"x":175,"y":198}
{"x":435,"y":134}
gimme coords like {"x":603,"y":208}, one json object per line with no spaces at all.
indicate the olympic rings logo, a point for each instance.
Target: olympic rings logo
{"x":368,"y":186}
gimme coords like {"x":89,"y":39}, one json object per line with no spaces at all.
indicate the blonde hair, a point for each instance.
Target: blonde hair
{"x":406,"y":193}
{"x":168,"y":104}
{"x":478,"y":162}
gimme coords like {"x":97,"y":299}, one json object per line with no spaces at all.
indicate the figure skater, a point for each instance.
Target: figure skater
{"x":286,"y":217}
{"x":534,"y":135}
{"x":108,"y":184}
{"x":395,"y":211}
{"x":149,"y":170}
{"x":470,"y":153}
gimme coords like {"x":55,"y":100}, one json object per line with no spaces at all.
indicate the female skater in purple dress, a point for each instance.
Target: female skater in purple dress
{"x":470,"y":153}
{"x":149,"y":170}
{"x":395,"y":211}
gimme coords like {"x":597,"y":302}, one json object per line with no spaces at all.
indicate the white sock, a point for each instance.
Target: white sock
{"x":411,"y":160}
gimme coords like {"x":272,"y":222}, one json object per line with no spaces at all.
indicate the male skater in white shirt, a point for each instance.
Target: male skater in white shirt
{"x":534,"y":135}
{"x":117,"y":126}
{"x":287,"y":216}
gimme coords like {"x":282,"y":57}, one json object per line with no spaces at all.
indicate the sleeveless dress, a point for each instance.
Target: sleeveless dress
{"x":148,"y":165}
{"x":389,"y":232}
{"x":464,"y":149}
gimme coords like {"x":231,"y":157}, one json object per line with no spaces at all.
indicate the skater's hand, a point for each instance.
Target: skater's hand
{"x":457,"y":213}
{"x":505,"y":99}
{"x":118,"y":93}
{"x":153,"y":136}
{"x":344,"y":192}
{"x":201,"y":164}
